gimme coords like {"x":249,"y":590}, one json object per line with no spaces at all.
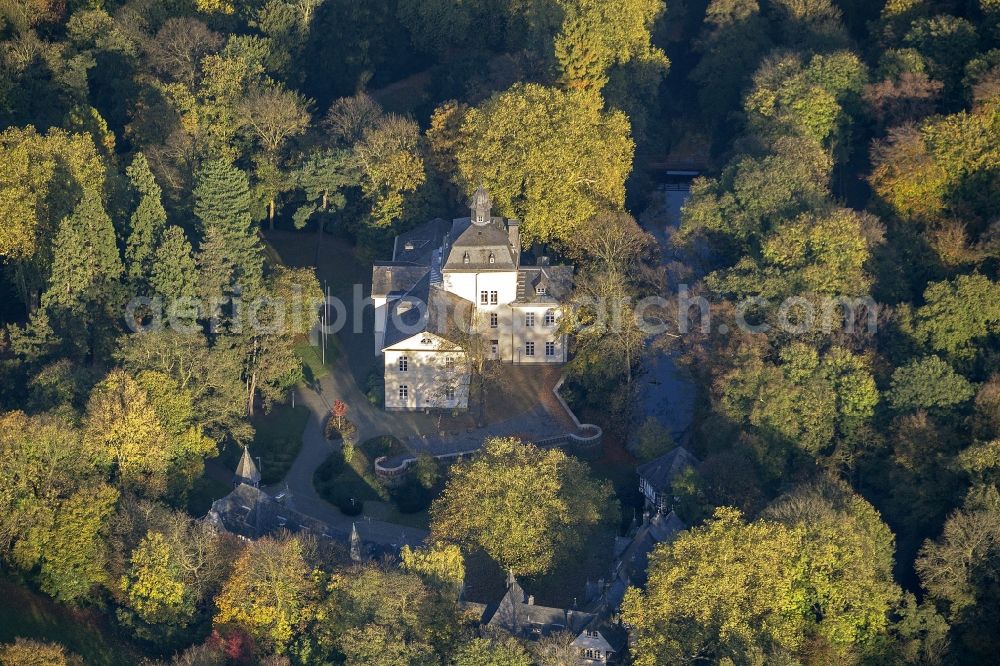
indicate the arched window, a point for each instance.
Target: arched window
{"x":493,"y":259}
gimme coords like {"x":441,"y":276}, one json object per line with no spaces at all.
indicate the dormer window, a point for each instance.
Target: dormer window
{"x":540,"y":290}
{"x":493,"y":258}
{"x":465,"y":258}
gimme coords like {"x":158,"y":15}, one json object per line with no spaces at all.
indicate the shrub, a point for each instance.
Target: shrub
{"x":412,"y":497}
{"x":331,"y":467}
{"x":349,"y":506}
{"x":347,"y":430}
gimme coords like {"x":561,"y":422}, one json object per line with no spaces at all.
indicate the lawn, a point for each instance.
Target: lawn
{"x":28,"y":614}
{"x":311,"y":357}
{"x":336,"y":481}
{"x":276,"y":442}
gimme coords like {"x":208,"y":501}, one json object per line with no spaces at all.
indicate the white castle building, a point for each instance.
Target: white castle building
{"x":456,"y":291}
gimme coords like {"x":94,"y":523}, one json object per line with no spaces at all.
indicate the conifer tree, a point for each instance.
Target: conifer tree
{"x":174,"y":274}
{"x":147,"y":222}
{"x":85,"y":263}
{"x":230,"y":257}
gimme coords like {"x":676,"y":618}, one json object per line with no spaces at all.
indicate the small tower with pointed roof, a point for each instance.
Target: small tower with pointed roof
{"x":480,"y":207}
{"x":246,"y":471}
{"x":355,"y":543}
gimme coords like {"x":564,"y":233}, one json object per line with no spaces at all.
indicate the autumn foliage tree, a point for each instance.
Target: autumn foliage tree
{"x":535,"y":505}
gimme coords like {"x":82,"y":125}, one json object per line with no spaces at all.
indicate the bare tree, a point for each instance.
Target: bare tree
{"x":274,"y":114}
{"x":556,"y":649}
{"x":179,"y":46}
{"x":614,"y":241}
{"x":349,"y":118}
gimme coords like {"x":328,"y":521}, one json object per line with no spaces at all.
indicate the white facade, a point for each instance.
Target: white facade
{"x":425,"y":372}
{"x":514,"y":309}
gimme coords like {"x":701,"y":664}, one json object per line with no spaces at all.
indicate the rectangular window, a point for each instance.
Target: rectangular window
{"x":494,"y":347}
{"x":404,"y":391}
{"x":540,"y":290}
{"x":550,"y":349}
{"x":493,"y":298}
{"x":449,"y":393}
{"x":494,"y":320}
{"x":449,"y":363}
{"x":484,"y":297}
{"x":529,"y":348}
{"x":529,"y":318}
{"x":404,"y":363}
{"x":550,"y":317}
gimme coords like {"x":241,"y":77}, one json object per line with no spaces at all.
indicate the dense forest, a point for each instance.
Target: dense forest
{"x":844,"y":235}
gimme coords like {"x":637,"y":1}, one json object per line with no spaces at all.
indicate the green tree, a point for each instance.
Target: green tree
{"x":229,"y":259}
{"x":734,"y":39}
{"x":549,"y":157}
{"x":536,"y":505}
{"x":959,"y":570}
{"x":928,"y":382}
{"x":55,"y":507}
{"x":499,"y":651}
{"x":383,"y":616}
{"x":812,"y":99}
{"x":123,"y":434}
{"x":813,"y":254}
{"x":439,"y":564}
{"x":596,"y":36}
{"x":174,"y":273}
{"x":391,"y":166}
{"x":817,"y":566}
{"x":212,"y":374}
{"x":84,"y":285}
{"x":42,"y":180}
{"x":155,"y":584}
{"x":323,"y":176}
{"x":147,"y":222}
{"x":959,"y":313}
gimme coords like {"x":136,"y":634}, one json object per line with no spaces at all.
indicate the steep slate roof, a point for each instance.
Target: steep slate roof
{"x":426,"y":308}
{"x":246,"y":471}
{"x":557,"y":280}
{"x":516,"y":616}
{"x":660,"y":472}
{"x":395,"y":277}
{"x":251,"y":513}
{"x":416,"y":245}
{"x":480,"y":241}
{"x":632,"y":563}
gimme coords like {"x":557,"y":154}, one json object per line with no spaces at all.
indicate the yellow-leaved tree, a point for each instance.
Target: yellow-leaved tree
{"x":532,"y":505}
{"x":551,"y":157}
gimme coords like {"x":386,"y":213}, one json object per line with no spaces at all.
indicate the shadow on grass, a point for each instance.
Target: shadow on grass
{"x":28,"y":614}
{"x":277,"y":441}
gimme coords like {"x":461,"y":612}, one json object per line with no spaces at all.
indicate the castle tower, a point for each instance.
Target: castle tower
{"x":480,"y":207}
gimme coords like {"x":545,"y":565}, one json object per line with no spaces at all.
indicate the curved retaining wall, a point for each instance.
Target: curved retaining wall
{"x":586,"y":442}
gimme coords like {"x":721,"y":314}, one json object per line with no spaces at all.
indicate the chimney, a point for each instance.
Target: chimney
{"x":514,"y":237}
{"x":531,"y":600}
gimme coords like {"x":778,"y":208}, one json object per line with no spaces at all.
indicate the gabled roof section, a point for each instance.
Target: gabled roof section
{"x":416,"y":245}
{"x":473,"y":245}
{"x":426,"y":308}
{"x":395,"y":277}
{"x":556,"y":282}
{"x":518,"y":617}
{"x":660,"y":472}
